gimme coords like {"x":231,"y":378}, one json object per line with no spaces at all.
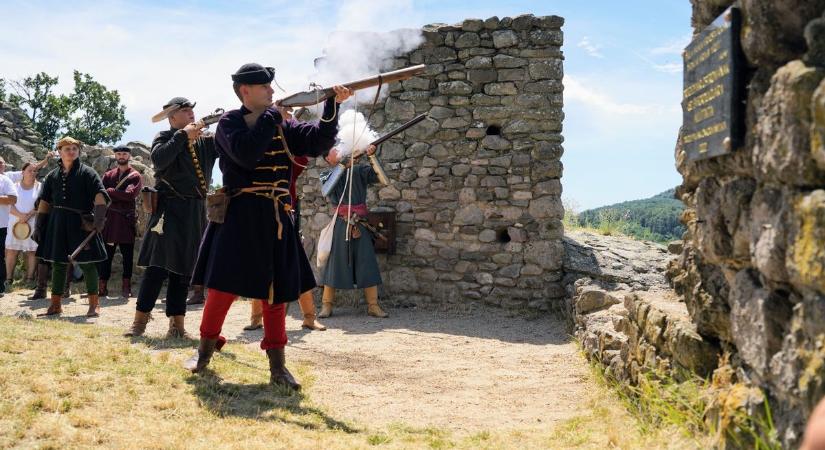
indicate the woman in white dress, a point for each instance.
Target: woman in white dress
{"x":28,"y":189}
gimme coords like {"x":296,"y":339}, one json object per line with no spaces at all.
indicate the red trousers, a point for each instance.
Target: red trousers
{"x":216,"y":307}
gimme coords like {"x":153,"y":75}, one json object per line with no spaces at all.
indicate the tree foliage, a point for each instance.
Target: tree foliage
{"x":655,"y":218}
{"x":91,"y":112}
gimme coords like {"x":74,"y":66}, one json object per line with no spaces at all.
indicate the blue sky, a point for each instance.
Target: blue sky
{"x":622,"y":64}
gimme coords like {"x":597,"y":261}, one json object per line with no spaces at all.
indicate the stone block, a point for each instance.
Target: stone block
{"x":783,"y":152}
{"x":500,"y":89}
{"x":806,"y":253}
{"x":546,"y":69}
{"x":455,"y":88}
{"x":504,"y":38}
{"x":467,"y":40}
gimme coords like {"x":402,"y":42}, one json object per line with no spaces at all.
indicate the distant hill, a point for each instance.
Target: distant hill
{"x":655,"y":218}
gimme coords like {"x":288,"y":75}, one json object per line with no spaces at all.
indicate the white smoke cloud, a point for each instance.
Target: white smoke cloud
{"x":354,"y":134}
{"x":353,"y":55}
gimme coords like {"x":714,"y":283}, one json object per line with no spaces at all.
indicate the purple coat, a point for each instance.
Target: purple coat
{"x":244,"y":255}
{"x":121,"y":219}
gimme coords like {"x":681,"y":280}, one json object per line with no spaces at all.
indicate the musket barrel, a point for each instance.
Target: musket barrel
{"x":309,"y":98}
{"x":401,"y":128}
{"x":389,"y":77}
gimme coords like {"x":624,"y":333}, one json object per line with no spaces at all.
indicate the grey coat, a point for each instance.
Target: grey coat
{"x":363,"y":271}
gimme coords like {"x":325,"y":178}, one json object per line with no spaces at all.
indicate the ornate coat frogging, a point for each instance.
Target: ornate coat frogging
{"x":244,"y":255}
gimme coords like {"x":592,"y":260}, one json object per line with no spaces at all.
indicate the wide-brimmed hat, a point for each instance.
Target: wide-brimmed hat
{"x":21,"y":231}
{"x":171,"y":106}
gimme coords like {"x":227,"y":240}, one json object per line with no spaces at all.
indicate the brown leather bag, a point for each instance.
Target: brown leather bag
{"x":216,"y":206}
{"x":149,"y":199}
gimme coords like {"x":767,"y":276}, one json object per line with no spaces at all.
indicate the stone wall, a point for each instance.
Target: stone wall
{"x":625,"y":314}
{"x":476,"y":186}
{"x":752,"y":271}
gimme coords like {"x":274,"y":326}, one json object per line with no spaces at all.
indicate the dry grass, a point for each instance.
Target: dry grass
{"x":65,"y":385}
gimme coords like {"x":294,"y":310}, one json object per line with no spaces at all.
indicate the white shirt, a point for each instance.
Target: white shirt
{"x":14,"y":176}
{"x":6,"y":188}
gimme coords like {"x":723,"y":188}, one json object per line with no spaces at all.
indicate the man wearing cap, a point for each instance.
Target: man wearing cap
{"x":123,"y":184}
{"x":183,"y":159}
{"x":256,"y":252}
{"x":8,"y":197}
{"x":73,"y":204}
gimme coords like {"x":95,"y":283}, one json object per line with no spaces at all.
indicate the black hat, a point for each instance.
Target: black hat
{"x":122,"y":148}
{"x":182,"y":102}
{"x":253,"y":73}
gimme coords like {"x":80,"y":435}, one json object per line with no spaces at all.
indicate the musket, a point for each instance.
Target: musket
{"x":214,"y":117}
{"x":337,"y":171}
{"x":82,"y":245}
{"x":315,"y":96}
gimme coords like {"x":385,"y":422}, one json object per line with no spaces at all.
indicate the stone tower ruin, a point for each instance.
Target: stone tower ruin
{"x":476,"y":187}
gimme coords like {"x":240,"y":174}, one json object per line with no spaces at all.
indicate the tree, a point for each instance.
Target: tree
{"x":90,"y":113}
{"x":46,"y":110}
{"x":2,"y":90}
{"x":96,"y":113}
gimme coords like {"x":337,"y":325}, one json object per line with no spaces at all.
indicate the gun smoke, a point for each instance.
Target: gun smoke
{"x":354,"y":134}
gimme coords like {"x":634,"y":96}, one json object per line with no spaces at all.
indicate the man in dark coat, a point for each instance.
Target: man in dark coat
{"x":123,"y":184}
{"x":352,"y":263}
{"x":183,"y":159}
{"x":256,"y":251}
{"x":306,"y":301}
{"x":71,"y":193}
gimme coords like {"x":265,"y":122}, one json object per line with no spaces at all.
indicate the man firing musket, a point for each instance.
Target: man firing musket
{"x":351,"y":263}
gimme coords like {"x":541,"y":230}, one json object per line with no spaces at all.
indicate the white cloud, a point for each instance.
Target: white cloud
{"x":672,"y":47}
{"x":669,"y":67}
{"x":150,"y":53}
{"x":590,"y":48}
{"x":577,"y":91}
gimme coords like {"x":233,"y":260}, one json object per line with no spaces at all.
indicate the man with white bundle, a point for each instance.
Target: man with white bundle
{"x":352,"y":263}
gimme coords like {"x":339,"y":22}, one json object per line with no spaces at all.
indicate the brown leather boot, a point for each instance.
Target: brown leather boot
{"x":55,"y":307}
{"x":102,"y":289}
{"x":256,"y":316}
{"x":139,"y":324}
{"x":326,"y":302}
{"x":371,"y":294}
{"x":200,"y":360}
{"x":42,"y":281}
{"x":197,"y":296}
{"x":305,"y":301}
{"x":126,"y":288}
{"x":176,"y":328}
{"x":94,"y":306}
{"x":278,"y":373}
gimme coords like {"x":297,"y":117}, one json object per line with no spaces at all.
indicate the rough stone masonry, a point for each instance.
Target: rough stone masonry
{"x":476,"y":186}
{"x":752,"y":271}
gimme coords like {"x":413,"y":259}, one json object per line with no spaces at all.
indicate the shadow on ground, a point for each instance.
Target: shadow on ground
{"x":261,"y":401}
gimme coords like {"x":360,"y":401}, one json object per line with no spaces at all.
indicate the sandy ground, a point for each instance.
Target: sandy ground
{"x":465,"y":372}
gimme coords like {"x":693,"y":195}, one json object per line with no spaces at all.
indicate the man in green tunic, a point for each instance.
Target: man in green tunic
{"x":73,"y":204}
{"x":352,"y":263}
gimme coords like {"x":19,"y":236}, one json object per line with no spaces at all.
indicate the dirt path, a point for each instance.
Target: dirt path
{"x":464,"y":372}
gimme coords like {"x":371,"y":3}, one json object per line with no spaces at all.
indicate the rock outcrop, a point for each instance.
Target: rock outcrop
{"x":752,"y":267}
